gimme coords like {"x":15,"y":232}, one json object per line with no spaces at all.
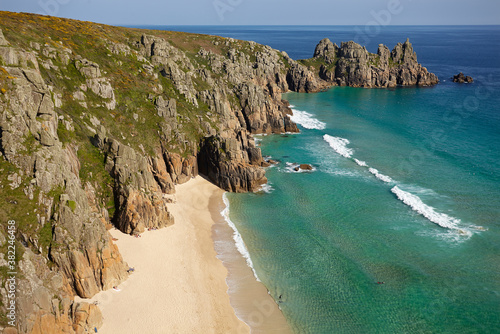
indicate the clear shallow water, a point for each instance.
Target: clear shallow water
{"x":426,"y":222}
{"x":324,"y":239}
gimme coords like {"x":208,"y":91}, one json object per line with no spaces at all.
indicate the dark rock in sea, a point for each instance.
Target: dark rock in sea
{"x":303,"y":167}
{"x":306,"y":167}
{"x":461,"y":78}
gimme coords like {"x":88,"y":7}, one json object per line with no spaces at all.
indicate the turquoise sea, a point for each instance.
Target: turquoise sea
{"x":397,"y":228}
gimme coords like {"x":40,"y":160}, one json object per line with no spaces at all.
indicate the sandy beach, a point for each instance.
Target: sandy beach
{"x":179,"y":285}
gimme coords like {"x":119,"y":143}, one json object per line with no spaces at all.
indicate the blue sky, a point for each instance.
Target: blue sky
{"x":263,"y":12}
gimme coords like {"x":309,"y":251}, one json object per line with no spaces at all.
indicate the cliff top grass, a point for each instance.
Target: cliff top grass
{"x":134,"y":114}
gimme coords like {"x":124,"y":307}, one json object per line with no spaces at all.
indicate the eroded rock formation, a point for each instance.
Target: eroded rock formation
{"x":352,"y":65}
{"x":461,"y":78}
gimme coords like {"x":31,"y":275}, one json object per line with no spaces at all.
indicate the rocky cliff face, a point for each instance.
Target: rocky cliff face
{"x":98,"y":124}
{"x":352,"y":65}
{"x":59,"y":203}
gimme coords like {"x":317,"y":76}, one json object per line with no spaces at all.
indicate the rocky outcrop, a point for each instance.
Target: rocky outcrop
{"x":95,"y":82}
{"x":353,"y":65}
{"x":3,"y":41}
{"x":45,"y":299}
{"x":303,"y":80}
{"x":77,"y":244}
{"x":326,"y":50}
{"x":303,"y":167}
{"x":461,"y":78}
{"x":227,"y":165}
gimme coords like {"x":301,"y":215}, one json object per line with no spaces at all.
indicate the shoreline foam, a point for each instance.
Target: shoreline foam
{"x":249,"y":297}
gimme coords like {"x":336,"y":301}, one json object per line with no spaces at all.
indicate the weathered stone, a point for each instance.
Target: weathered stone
{"x":166,"y":108}
{"x":88,"y":69}
{"x":3,"y":41}
{"x":235,"y":176}
{"x":9,"y":56}
{"x":461,"y":78}
{"x":326,"y":50}
{"x":355,"y":66}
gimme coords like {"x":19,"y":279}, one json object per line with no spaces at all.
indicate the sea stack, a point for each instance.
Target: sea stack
{"x":461,"y":78}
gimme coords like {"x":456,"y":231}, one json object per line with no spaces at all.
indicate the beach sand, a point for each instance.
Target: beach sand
{"x":179,"y":284}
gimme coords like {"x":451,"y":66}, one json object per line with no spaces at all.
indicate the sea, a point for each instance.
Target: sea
{"x":396,"y":229}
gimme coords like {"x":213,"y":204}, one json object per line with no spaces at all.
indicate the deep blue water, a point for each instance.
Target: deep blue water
{"x":426,"y":222}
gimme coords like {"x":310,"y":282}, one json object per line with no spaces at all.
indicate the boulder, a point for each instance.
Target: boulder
{"x":461,"y":78}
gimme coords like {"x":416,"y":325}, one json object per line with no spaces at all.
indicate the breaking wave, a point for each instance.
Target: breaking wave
{"x":307,"y":120}
{"x":238,"y":240}
{"x":339,"y":145}
{"x":360,"y":163}
{"x":427,"y":211}
{"x":380,"y":176}
{"x":266,"y":188}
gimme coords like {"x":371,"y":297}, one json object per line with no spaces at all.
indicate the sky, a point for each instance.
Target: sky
{"x":266,"y":12}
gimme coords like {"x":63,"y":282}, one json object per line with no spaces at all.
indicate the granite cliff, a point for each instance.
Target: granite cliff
{"x":352,"y":65}
{"x":99,"y":123}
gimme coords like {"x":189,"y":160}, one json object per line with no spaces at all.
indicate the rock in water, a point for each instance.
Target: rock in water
{"x":352,"y":65}
{"x":306,"y":167}
{"x":461,"y":78}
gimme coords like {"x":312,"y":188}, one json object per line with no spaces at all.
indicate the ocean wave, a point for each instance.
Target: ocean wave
{"x":427,"y":211}
{"x":238,"y":240}
{"x":266,"y":188}
{"x":360,"y":163}
{"x":307,"y":120}
{"x":339,"y":145}
{"x":380,"y":176}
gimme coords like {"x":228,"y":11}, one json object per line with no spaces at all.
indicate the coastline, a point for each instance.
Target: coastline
{"x":181,"y":284}
{"x":249,"y":297}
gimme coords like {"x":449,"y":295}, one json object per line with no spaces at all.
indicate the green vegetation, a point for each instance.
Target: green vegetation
{"x":45,"y":235}
{"x":16,"y":205}
{"x":72,"y":205}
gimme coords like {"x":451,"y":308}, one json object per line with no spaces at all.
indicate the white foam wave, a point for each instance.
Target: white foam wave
{"x":307,"y":120}
{"x":360,"y":163}
{"x":380,"y":176}
{"x":240,"y":244}
{"x":427,"y":211}
{"x":339,"y":145}
{"x":267,"y":188}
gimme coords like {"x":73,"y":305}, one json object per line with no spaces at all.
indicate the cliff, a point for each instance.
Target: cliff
{"x":99,"y":123}
{"x":352,"y":65}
